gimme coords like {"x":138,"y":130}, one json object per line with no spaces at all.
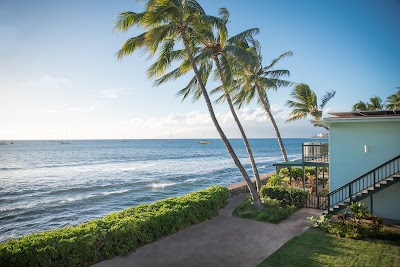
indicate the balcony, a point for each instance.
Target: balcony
{"x":315,"y":152}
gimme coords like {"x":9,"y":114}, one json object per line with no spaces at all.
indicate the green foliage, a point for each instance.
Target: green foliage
{"x":116,"y":234}
{"x":323,"y":222}
{"x":350,"y":225}
{"x":359,"y":210}
{"x":298,"y":172}
{"x":286,"y":196}
{"x":273,"y":212}
{"x":275,"y":180}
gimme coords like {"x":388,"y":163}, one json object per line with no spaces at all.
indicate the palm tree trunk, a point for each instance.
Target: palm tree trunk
{"x":268,"y":110}
{"x":244,"y":137}
{"x":253,"y":192}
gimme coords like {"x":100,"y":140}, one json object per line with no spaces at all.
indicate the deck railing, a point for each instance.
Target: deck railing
{"x":315,"y":151}
{"x":363,"y":182}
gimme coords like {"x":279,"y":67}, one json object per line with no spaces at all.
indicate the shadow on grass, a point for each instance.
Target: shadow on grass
{"x":316,"y":248}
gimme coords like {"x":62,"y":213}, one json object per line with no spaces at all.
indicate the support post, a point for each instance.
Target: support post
{"x":290,"y":170}
{"x":372,"y":203}
{"x":316,"y":180}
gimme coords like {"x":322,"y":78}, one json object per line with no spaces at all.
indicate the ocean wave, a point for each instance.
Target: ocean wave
{"x":162,"y":185}
{"x":68,"y":199}
{"x":115,"y":192}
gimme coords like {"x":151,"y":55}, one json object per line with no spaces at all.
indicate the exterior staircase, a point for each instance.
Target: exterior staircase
{"x":364,"y":186}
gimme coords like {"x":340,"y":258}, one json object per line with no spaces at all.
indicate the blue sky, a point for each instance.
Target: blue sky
{"x":59,"y":75}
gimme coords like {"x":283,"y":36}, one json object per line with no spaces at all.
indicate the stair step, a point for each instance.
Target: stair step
{"x":383,"y":182}
{"x":396,"y":176}
{"x":389,"y":179}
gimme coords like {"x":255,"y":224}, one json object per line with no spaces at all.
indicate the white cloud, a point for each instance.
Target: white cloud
{"x":48,"y":82}
{"x":115,"y":92}
{"x":67,"y":108}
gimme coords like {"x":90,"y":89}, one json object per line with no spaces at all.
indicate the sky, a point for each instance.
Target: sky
{"x":59,"y":76}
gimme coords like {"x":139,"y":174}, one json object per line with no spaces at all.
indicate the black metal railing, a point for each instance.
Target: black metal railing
{"x":363,"y":182}
{"x":315,"y":201}
{"x":315,"y":151}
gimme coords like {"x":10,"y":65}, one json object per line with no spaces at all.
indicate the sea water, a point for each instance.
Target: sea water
{"x":46,"y":185}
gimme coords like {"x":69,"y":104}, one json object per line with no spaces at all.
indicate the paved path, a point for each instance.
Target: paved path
{"x":221,"y":241}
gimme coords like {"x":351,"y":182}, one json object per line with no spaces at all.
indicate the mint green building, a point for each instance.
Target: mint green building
{"x":364,"y":161}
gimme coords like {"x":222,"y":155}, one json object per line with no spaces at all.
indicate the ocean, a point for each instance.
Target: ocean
{"x":46,"y":185}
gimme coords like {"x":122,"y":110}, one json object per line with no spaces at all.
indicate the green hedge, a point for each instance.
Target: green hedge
{"x":287,"y":196}
{"x":116,"y":234}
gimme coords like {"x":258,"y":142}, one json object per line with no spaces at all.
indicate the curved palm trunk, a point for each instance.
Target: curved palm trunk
{"x":244,"y":137}
{"x":278,"y":135}
{"x":253,"y":192}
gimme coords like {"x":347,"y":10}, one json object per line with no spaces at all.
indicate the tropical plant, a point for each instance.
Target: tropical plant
{"x":165,"y":23}
{"x":254,"y":80}
{"x":306,"y":103}
{"x":360,"y":106}
{"x":116,"y":234}
{"x":393,"y":101}
{"x":375,"y":103}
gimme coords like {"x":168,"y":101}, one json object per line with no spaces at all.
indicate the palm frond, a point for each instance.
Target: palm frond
{"x":125,"y":20}
{"x":297,"y":114}
{"x":276,"y":60}
{"x":328,"y":96}
{"x":131,"y":45}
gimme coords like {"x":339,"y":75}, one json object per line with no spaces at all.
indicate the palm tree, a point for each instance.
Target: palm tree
{"x":375,"y":103}
{"x":306,"y":103}
{"x":360,"y":106}
{"x":254,"y":79}
{"x":166,"y":22}
{"x":215,"y":49}
{"x":393,"y":101}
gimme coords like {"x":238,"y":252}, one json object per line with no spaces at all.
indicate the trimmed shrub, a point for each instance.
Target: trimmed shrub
{"x":287,"y":196}
{"x":116,"y":234}
{"x":275,"y":180}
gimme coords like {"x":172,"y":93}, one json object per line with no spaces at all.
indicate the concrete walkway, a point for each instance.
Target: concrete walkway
{"x":221,"y":241}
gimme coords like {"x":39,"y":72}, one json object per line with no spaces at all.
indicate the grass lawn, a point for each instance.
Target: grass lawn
{"x":316,"y":248}
{"x":272,"y":212}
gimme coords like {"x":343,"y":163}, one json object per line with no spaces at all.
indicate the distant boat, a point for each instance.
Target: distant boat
{"x":64,"y":142}
{"x":205,"y":142}
{"x":170,"y":138}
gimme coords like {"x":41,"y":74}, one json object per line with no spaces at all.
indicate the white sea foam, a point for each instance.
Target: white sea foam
{"x":69,"y":199}
{"x":115,"y":192}
{"x":161,"y":185}
{"x":191,"y":181}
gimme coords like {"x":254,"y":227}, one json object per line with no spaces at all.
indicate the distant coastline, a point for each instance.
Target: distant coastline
{"x":321,"y":135}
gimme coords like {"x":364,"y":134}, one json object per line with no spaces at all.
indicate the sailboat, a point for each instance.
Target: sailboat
{"x":170,"y":138}
{"x":204,"y":141}
{"x":64,"y":142}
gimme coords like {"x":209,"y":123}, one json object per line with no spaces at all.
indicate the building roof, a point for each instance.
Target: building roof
{"x":361,"y":116}
{"x":368,"y":113}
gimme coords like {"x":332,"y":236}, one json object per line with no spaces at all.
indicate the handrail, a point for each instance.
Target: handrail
{"x":364,"y":181}
{"x":315,"y":151}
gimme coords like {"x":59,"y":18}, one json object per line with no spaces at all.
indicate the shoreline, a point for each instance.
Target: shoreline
{"x":241,"y":187}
